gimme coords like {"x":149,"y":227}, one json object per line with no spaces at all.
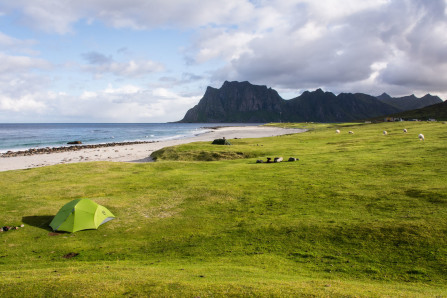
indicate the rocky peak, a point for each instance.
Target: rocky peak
{"x":384,"y":96}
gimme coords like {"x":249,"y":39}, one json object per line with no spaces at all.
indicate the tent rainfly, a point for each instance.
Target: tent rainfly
{"x":80,"y":214}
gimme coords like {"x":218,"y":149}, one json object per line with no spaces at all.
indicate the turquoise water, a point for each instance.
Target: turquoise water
{"x":25,"y":135}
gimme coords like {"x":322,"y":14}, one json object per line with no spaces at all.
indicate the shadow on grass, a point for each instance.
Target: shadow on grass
{"x":41,"y":221}
{"x":143,"y":160}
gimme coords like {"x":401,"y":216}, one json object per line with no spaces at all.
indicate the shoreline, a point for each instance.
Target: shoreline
{"x":139,"y":151}
{"x":49,"y":150}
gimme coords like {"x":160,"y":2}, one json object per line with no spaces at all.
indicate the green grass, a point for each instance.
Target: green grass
{"x":357,"y":215}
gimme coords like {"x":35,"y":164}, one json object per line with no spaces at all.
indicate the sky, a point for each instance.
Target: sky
{"x":150,"y":61}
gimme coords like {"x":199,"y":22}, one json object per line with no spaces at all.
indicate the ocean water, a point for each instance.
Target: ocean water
{"x":21,"y":136}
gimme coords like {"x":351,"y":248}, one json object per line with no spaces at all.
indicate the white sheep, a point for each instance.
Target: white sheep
{"x":405,"y":130}
{"x":337,"y":131}
{"x":421,"y":137}
{"x":351,"y":132}
{"x":385,"y":132}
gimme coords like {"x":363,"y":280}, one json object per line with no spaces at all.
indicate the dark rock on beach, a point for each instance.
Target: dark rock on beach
{"x":48,"y":150}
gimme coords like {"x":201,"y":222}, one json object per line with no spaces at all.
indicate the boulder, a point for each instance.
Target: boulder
{"x":221,"y":142}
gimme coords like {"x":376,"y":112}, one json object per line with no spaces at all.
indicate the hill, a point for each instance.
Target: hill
{"x":436,"y":111}
{"x":243,"y":102}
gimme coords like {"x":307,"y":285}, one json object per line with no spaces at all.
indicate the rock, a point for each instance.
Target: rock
{"x":74,"y":143}
{"x":70,"y":255}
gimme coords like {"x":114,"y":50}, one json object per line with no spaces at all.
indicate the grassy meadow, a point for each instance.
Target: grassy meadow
{"x":361,"y":214}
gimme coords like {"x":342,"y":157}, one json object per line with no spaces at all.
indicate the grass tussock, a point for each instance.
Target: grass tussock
{"x":173,"y":153}
{"x":360,"y":214}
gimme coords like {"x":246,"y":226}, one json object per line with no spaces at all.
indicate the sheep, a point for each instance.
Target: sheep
{"x":278,"y":159}
{"x":385,"y":132}
{"x":405,"y":130}
{"x":351,"y":132}
{"x":421,"y":137}
{"x":337,"y":131}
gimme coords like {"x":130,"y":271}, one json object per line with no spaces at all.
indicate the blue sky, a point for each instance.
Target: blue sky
{"x":150,"y":61}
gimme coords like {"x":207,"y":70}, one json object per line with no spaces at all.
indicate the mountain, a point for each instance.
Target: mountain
{"x":319,"y":106}
{"x":437,"y":111}
{"x":242,"y":102}
{"x":410,"y":102}
{"x":237,"y":102}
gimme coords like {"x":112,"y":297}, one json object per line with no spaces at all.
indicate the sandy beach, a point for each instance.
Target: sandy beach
{"x":136,"y":152}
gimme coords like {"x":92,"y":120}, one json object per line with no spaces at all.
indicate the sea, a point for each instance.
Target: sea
{"x":23,"y":136}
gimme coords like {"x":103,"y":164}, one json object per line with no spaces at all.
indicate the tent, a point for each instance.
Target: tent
{"x":80,"y":214}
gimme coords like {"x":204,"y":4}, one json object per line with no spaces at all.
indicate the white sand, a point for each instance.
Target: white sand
{"x":138,"y":152}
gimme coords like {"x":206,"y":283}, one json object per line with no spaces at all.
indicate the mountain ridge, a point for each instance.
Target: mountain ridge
{"x":243,"y":102}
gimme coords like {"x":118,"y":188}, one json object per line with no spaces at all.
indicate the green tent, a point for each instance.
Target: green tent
{"x":80,"y":214}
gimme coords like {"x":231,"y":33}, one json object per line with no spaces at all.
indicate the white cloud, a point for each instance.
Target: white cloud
{"x":127,"y":89}
{"x":100,"y":64}
{"x":131,"y":68}
{"x":47,"y":15}
{"x":20,"y":82}
{"x":126,"y":103}
{"x":11,"y":43}
{"x":338,"y":44}
{"x":26,"y":103}
{"x":221,"y":44}
{"x":15,"y":64}
{"x":288,"y":44}
{"x":59,"y":16}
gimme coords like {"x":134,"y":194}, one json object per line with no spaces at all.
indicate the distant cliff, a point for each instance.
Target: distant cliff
{"x":237,"y":102}
{"x":242,"y":102}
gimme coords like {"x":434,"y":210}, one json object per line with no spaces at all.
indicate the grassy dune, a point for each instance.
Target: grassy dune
{"x":357,"y":215}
